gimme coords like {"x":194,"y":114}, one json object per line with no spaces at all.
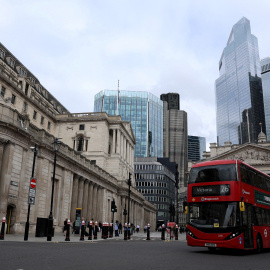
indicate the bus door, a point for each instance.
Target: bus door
{"x":248,"y":221}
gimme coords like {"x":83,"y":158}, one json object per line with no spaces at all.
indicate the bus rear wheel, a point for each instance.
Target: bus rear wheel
{"x":259,"y":244}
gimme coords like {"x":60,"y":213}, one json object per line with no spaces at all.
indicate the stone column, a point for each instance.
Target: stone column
{"x":118,"y":142}
{"x":80,"y":193}
{"x":85,"y":200}
{"x":90,"y":198}
{"x":5,"y":176}
{"x":74,"y":197}
{"x":94,"y":203}
{"x":113,"y":144}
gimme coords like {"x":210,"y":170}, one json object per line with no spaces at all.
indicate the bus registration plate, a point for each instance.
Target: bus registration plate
{"x":210,"y":245}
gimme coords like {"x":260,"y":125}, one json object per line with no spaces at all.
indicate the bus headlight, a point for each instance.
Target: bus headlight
{"x":232,"y":235}
{"x":191,"y":234}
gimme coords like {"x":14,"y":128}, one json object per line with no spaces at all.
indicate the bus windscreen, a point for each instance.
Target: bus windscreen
{"x":225,"y":172}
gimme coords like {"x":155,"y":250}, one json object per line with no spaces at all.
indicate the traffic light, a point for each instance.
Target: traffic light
{"x":113,"y":206}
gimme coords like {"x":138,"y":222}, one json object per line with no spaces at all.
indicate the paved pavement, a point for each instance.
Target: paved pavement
{"x":59,"y":237}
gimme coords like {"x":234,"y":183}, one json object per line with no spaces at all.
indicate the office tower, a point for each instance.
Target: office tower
{"x":175,"y":137}
{"x":143,"y":110}
{"x":239,"y":96}
{"x":265,"y":65}
{"x":172,"y":100}
{"x":155,"y":179}
{"x":196,"y":147}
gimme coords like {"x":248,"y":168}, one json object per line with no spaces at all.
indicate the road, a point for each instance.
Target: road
{"x":118,"y":254}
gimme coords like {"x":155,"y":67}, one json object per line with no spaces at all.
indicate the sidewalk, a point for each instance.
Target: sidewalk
{"x":60,"y":238}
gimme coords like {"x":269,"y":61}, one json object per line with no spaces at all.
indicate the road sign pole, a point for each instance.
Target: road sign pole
{"x":28,"y":213}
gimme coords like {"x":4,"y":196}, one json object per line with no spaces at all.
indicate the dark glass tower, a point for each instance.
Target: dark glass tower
{"x":239,"y":96}
{"x":172,"y":100}
{"x":196,"y":147}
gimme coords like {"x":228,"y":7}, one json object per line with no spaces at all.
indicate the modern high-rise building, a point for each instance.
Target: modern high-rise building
{"x":196,"y":147}
{"x":239,"y":96}
{"x":175,"y":136}
{"x":265,"y":65}
{"x":172,"y":100}
{"x":143,"y":110}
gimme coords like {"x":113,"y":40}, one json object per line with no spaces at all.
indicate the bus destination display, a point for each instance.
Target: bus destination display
{"x":213,"y":190}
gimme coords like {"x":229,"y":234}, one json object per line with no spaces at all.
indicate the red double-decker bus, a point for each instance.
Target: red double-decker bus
{"x":228,"y":206}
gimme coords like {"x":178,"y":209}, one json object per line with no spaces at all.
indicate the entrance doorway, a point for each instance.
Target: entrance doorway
{"x":10,"y":217}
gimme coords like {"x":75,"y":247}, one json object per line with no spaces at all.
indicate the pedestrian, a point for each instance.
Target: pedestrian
{"x":138,"y":228}
{"x":120,"y":228}
{"x":116,"y":229}
{"x":65,"y":227}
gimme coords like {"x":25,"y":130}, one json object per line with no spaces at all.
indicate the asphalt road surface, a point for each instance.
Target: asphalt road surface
{"x":118,"y":254}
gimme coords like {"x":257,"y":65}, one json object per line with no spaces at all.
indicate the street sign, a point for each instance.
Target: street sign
{"x":32,"y":191}
{"x":33,"y":183}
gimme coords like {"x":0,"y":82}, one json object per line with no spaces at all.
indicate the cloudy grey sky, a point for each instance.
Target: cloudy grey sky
{"x":78,"y":47}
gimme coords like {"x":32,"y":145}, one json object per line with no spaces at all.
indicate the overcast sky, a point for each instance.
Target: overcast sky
{"x":77,"y":48}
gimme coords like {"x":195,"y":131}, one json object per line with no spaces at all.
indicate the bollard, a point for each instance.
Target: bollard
{"x":2,"y":235}
{"x":163,"y":232}
{"x":82,"y":231}
{"x":90,"y":230}
{"x":148,"y":232}
{"x":96,"y":230}
{"x":125,"y":231}
{"x":111,"y":230}
{"x":128,"y":236}
{"x":176,"y":232}
{"x":68,"y":231}
{"x":106,"y":233}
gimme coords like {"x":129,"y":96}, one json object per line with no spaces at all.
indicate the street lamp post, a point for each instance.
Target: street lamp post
{"x":56,"y":145}
{"x":26,"y":231}
{"x":129,"y":184}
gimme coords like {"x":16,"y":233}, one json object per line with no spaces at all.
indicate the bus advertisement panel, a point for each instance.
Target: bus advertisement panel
{"x":228,"y":206}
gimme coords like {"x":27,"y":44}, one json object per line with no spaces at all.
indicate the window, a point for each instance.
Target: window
{"x":2,"y":54}
{"x":22,"y":72}
{"x":80,"y":144}
{"x":13,"y":98}
{"x":49,"y":125}
{"x":3,"y":91}
{"x":24,"y":107}
{"x":39,"y":88}
{"x":81,"y":127}
{"x":42,"y":120}
{"x":35,"y":115}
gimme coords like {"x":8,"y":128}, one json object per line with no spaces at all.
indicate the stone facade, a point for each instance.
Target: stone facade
{"x":89,"y":178}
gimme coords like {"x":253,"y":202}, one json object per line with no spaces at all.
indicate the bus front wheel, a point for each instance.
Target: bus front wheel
{"x":259,"y":244}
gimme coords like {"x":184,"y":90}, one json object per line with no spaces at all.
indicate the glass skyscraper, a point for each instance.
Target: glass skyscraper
{"x":265,"y":64}
{"x":239,"y":96}
{"x":145,"y":113}
{"x":196,"y":147}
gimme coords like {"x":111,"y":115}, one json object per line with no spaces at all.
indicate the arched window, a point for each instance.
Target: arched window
{"x":80,"y":144}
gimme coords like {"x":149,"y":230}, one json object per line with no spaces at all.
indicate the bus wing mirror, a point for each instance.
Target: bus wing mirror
{"x":186,"y":210}
{"x":242,"y":206}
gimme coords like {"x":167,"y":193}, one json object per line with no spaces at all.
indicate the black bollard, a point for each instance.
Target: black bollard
{"x":163,"y":232}
{"x":96,"y":230}
{"x":82,"y":231}
{"x":148,"y":232}
{"x":2,"y":235}
{"x":90,"y":230}
{"x":111,"y":230}
{"x":68,"y":231}
{"x":125,"y":231}
{"x":176,"y":232}
{"x":129,"y":231}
